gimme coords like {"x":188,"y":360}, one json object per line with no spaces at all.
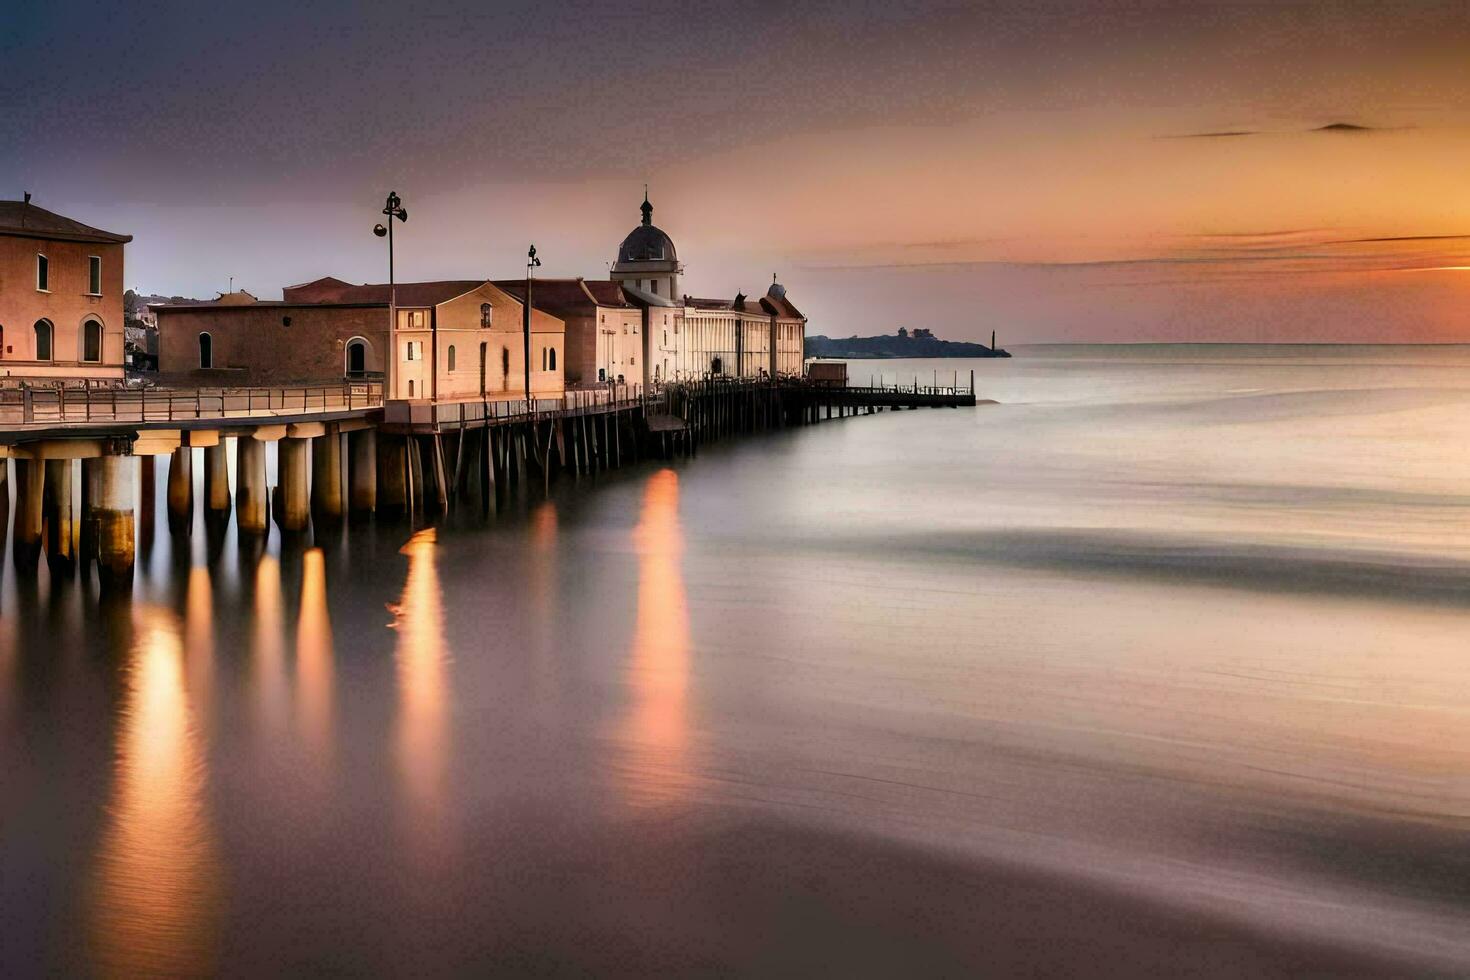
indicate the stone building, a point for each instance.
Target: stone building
{"x":457,"y":339}
{"x":604,"y":330}
{"x":687,"y":337}
{"x":61,"y":296}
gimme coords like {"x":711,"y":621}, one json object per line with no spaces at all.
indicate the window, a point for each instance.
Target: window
{"x":206,"y":351}
{"x":94,"y":275}
{"x":92,"y":341}
{"x":485,"y":311}
{"x":43,"y":273}
{"x":411,"y":346}
{"x":553,"y":358}
{"x":653,"y":286}
{"x":356,"y":357}
{"x":451,"y":357}
{"x":666,"y":338}
{"x":543,"y":358}
{"x":416,"y":319}
{"x":43,"y":340}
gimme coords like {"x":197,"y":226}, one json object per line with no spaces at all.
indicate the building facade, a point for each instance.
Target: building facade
{"x":603,"y":328}
{"x":61,"y":296}
{"x":456,"y":340}
{"x":685,"y":337}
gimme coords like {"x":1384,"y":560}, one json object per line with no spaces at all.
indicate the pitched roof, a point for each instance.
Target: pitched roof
{"x":27,"y":220}
{"x":781,"y":306}
{"x":409,"y":293}
{"x":369,"y":294}
{"x":316,"y":291}
{"x":566,"y":297}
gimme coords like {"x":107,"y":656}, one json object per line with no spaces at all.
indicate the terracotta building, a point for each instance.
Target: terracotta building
{"x":603,"y":328}
{"x":456,"y":339}
{"x":61,"y":296}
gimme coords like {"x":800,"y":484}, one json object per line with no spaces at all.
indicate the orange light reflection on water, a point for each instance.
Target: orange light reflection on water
{"x":658,"y":726}
{"x":157,"y":895}
{"x":314,"y":655}
{"x":421,"y":657}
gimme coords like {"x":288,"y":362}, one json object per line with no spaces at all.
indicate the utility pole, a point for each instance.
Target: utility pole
{"x":531,"y":263}
{"x":393,"y":208}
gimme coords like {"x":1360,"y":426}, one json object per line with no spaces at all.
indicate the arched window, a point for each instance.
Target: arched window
{"x":356,"y":357}
{"x":92,"y":341}
{"x":484,"y":362}
{"x":206,"y":351}
{"x":451,"y":357}
{"x":43,"y":340}
{"x":485,"y":312}
{"x":553,"y":360}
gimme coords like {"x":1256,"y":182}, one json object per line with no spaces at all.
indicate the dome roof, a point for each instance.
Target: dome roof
{"x":647,"y":243}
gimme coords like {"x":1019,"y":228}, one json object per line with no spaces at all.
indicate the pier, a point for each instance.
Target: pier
{"x":342,"y":452}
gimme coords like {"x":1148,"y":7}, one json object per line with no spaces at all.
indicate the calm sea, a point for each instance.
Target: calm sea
{"x":1159,"y":665}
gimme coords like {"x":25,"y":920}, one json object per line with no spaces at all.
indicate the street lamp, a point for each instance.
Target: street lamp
{"x":392,"y":208}
{"x":531,"y":263}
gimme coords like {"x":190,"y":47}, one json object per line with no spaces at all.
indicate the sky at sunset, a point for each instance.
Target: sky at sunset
{"x":1052,"y":171}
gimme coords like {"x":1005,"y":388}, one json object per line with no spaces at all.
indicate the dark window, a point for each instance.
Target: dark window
{"x":43,"y":340}
{"x":356,"y":358}
{"x":451,"y":357}
{"x":206,"y":351}
{"x":485,"y":312}
{"x":553,"y":359}
{"x":43,"y":272}
{"x":92,"y":341}
{"x":94,"y":275}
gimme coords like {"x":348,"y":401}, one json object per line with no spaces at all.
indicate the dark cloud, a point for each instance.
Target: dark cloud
{"x":1210,"y":136}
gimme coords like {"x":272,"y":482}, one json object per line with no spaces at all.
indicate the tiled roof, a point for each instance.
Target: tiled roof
{"x":369,"y":294}
{"x":30,"y":221}
{"x":567,"y":297}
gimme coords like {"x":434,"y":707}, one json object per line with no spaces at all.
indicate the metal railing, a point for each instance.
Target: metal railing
{"x":81,"y":405}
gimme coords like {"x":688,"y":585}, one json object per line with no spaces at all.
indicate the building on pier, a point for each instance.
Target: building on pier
{"x":603,"y":328}
{"x":61,"y":296}
{"x":686,"y":337}
{"x":457,"y":339}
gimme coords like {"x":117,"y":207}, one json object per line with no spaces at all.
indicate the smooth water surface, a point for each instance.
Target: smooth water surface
{"x":1161,"y":664}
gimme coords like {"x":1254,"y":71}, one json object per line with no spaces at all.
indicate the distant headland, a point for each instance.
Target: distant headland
{"x":919,"y":342}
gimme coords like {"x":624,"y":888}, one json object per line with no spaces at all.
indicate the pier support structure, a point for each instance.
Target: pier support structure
{"x":181,"y":489}
{"x":363,"y":446}
{"x":112,"y":515}
{"x":60,"y":524}
{"x":250,"y":491}
{"x":326,"y":476}
{"x":293,"y":462}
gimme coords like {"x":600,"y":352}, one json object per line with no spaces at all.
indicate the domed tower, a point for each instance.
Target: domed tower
{"x":647,"y":261}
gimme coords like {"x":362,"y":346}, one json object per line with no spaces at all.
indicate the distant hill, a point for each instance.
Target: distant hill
{"x":919,"y":344}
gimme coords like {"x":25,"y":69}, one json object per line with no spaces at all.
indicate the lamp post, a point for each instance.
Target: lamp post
{"x":531,"y":263}
{"x":392,"y":208}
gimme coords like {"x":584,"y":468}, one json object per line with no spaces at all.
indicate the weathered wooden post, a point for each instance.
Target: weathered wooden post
{"x":181,"y":489}
{"x":30,"y":483}
{"x":217,"y":478}
{"x":112,"y":515}
{"x":250,"y":493}
{"x":363,"y":492}
{"x":392,"y":475}
{"x":60,"y":543}
{"x":293,"y":467}
{"x":326,"y":476}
